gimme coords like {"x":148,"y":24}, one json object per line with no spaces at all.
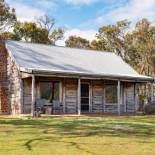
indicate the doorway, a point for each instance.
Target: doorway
{"x":84,"y":97}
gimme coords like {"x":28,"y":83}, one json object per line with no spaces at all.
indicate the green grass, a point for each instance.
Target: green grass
{"x":78,"y":136}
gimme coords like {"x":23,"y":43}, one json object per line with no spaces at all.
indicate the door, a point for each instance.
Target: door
{"x":84,"y":97}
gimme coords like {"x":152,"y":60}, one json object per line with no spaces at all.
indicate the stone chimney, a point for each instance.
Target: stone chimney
{"x":4,"y":103}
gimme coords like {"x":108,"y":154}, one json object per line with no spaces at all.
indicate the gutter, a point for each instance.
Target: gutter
{"x":85,"y":75}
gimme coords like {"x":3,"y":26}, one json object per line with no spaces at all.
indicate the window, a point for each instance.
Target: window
{"x":56,"y":91}
{"x":111,"y":94}
{"x":49,"y":91}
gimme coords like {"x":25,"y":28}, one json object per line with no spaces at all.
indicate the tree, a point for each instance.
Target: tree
{"x":136,"y":47}
{"x":42,"y":31}
{"x":30,"y":32}
{"x":7,"y":17}
{"x":47,"y":23}
{"x":112,"y":36}
{"x":17,"y":31}
{"x":141,"y":47}
{"x":98,"y":45}
{"x":77,"y":42}
{"x":7,"y":35}
{"x":56,"y":34}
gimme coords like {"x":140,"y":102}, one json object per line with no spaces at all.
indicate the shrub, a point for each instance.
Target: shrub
{"x":149,"y":108}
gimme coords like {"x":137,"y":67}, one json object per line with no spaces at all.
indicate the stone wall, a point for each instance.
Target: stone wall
{"x":10,"y":84}
{"x":14,"y":87}
{"x":4,"y":104}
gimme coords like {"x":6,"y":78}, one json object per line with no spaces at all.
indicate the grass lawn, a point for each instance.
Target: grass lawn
{"x":134,"y":135}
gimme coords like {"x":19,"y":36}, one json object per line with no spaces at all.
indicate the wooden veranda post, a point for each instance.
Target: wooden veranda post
{"x":135,"y":97}
{"x":79,"y":96}
{"x":0,"y":103}
{"x":119,"y":97}
{"x":64,"y":96}
{"x":152,"y":92}
{"x":33,"y":96}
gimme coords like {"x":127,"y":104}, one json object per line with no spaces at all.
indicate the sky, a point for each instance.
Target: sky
{"x":84,"y":17}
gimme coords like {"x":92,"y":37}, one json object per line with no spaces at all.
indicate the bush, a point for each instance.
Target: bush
{"x":149,"y":108}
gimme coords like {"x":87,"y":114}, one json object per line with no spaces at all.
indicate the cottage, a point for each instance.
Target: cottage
{"x":60,"y":80}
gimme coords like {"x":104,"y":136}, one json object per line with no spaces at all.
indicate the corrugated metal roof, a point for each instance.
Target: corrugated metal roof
{"x":47,"y":58}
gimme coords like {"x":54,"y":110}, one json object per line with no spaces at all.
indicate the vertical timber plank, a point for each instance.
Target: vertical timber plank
{"x":90,"y":97}
{"x":119,"y":96}
{"x":79,"y":96}
{"x":33,"y":95}
{"x":64,"y":95}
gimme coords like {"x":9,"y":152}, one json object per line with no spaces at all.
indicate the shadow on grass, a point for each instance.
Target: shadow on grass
{"x":87,"y":127}
{"x":77,"y":145}
{"x":52,"y":129}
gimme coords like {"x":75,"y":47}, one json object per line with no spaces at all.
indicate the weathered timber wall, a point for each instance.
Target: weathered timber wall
{"x":71,"y":96}
{"x":27,"y":91}
{"x":98,"y":96}
{"x":130,"y":98}
{"x":27,"y":95}
{"x":128,"y":102}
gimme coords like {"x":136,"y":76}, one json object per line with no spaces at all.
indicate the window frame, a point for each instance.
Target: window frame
{"x":53,"y":81}
{"x":105,"y":100}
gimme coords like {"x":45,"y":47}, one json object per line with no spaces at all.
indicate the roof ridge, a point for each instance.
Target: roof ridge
{"x":48,"y":45}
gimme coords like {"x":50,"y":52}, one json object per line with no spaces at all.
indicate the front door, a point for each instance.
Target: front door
{"x":84,"y":97}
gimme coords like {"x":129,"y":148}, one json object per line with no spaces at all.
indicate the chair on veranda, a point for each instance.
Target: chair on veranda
{"x":43,"y":106}
{"x":57,"y":107}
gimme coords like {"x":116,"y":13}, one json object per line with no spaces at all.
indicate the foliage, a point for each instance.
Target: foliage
{"x":47,"y":23}
{"x":40,"y":32}
{"x":136,"y":47}
{"x":7,"y":17}
{"x":141,"y":47}
{"x":30,"y":32}
{"x":113,"y":37}
{"x":7,"y":35}
{"x":98,"y":45}
{"x":77,"y":42}
{"x":129,"y":135}
{"x":56,"y":34}
{"x":149,"y":108}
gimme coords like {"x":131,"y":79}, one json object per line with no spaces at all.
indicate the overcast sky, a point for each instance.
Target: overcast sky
{"x":84,"y":17}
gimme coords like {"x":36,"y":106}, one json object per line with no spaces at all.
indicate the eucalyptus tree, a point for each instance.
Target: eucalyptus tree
{"x":7,"y":17}
{"x":77,"y":42}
